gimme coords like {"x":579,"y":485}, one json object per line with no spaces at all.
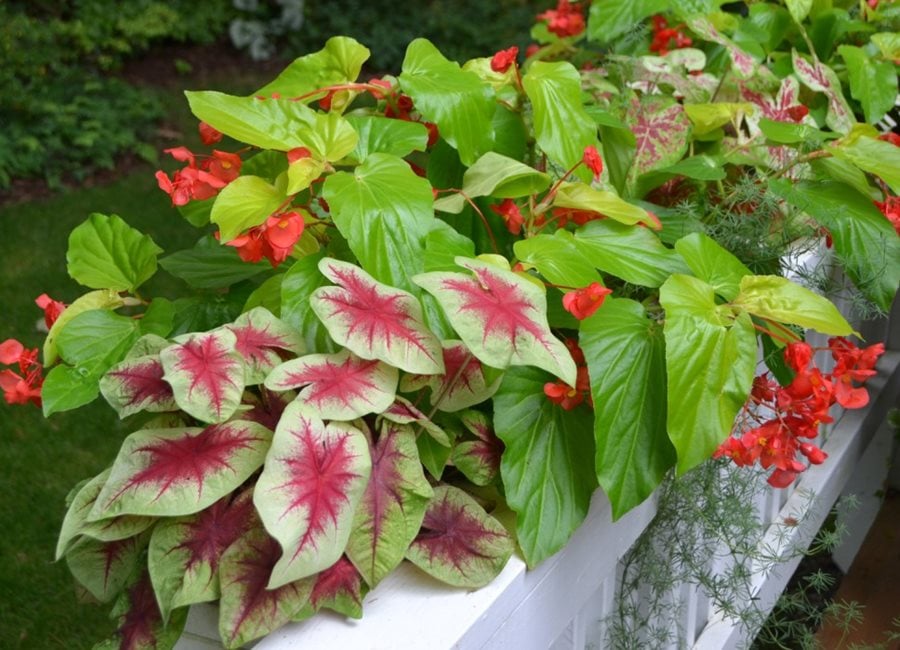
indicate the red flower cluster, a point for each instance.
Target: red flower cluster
{"x":208,"y":135}
{"x":890,"y":208}
{"x":559,"y":392}
{"x":274,"y":239}
{"x":566,"y":20}
{"x":25,"y":387}
{"x":578,"y":217}
{"x":504,"y":59}
{"x":583,"y":302}
{"x":891,"y":137}
{"x":198,"y":182}
{"x":511,"y":215}
{"x":593,"y":161}
{"x":52,"y":308}
{"x":800,"y":408}
{"x":667,"y":38}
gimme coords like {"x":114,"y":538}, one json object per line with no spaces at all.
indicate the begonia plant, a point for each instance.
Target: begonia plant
{"x":421,"y":303}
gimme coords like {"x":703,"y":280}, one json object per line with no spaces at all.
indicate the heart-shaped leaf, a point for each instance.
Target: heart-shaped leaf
{"x":258,"y":337}
{"x":103,"y":568}
{"x":140,"y":623}
{"x":340,"y":588}
{"x":479,"y":459}
{"x":402,"y":411}
{"x":136,"y":384}
{"x":661,"y":129}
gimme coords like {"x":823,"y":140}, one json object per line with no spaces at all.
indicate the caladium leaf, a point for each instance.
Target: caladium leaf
{"x":337,"y":386}
{"x":460,"y":543}
{"x":500,"y":317}
{"x":818,"y":77}
{"x":206,"y":375}
{"x":743,"y":64}
{"x":464,"y":383}
{"x":392,"y":507}
{"x":103,"y":568}
{"x":402,"y":411}
{"x":313,"y":480}
{"x":267,"y":408}
{"x":661,"y":129}
{"x":171,"y":472}
{"x":185,"y":552}
{"x":114,"y":529}
{"x":248,"y":609}
{"x":479,"y":459}
{"x":375,"y":321}
{"x":340,"y":587}
{"x":140,"y":623}
{"x":258,"y":337}
{"x":136,"y":384}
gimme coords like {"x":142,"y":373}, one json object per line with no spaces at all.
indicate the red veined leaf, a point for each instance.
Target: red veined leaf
{"x":103,"y":568}
{"x":206,"y":375}
{"x":464,"y":382}
{"x":171,"y":472}
{"x":661,"y":130}
{"x":266,"y":408}
{"x":308,"y":491}
{"x":742,"y":63}
{"x":75,"y":522}
{"x":460,"y":543}
{"x":258,"y":337}
{"x":393,"y":505}
{"x":338,"y":386}
{"x":137,"y":384}
{"x":248,"y":609}
{"x":185,"y":552}
{"x":140,"y":624}
{"x":402,"y":411}
{"x":339,"y":588}
{"x":375,"y":321}
{"x":819,"y":77}
{"x":478,"y":460}
{"x":501,"y":317}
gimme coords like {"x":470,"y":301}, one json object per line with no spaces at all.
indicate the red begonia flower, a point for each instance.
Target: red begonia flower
{"x":890,"y":208}
{"x":511,"y":215}
{"x":891,"y":137}
{"x":52,"y":308}
{"x":593,"y":161}
{"x":298,"y":153}
{"x":583,"y":302}
{"x":561,"y":393}
{"x":11,"y":351}
{"x":209,"y":135}
{"x":798,"y":356}
{"x":504,"y":59}
{"x":566,"y":20}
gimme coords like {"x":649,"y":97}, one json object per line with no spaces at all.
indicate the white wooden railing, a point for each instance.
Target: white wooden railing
{"x":562,"y":604}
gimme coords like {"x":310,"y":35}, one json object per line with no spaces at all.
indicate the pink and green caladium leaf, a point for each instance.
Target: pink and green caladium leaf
{"x":402,"y":411}
{"x":136,"y":384}
{"x":710,"y":363}
{"x":339,"y":588}
{"x":171,"y":472}
{"x":625,"y":354}
{"x":375,"y":321}
{"x":393,"y":505}
{"x":337,"y":386}
{"x":465,"y":381}
{"x":185,"y":552}
{"x":266,"y":409}
{"x":103,"y":568}
{"x":743,"y":64}
{"x":248,"y":608}
{"x":501,"y":317}
{"x":307,"y":494}
{"x":140,"y":623}
{"x":818,"y":77}
{"x":258,"y":337}
{"x":459,"y":542}
{"x":113,"y":529}
{"x":206,"y":375}
{"x":479,"y":459}
{"x":661,"y":129}
{"x":548,"y":464}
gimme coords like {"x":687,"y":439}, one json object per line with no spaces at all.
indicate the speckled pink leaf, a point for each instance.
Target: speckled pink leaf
{"x":773,"y":108}
{"x":171,"y":472}
{"x":743,"y":64}
{"x":339,"y":588}
{"x":817,"y":76}
{"x":248,"y":608}
{"x":402,"y":411}
{"x":462,"y":384}
{"x":258,"y":337}
{"x":661,"y":130}
{"x":375,"y":321}
{"x":337,"y":386}
{"x":206,"y":375}
{"x":103,"y":568}
{"x":137,"y":384}
{"x":393,"y":505}
{"x":460,"y":543}
{"x":501,"y":317}
{"x":140,"y":623}
{"x":479,"y":459}
{"x":313,"y":479}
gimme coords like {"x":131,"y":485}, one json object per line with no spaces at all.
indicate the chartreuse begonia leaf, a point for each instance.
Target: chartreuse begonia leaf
{"x":609,"y":19}
{"x":383,"y":201}
{"x":498,"y":176}
{"x":461,"y":104}
{"x":779,"y":299}
{"x":185,"y":552}
{"x":258,"y":338}
{"x":579,"y":196}
{"x":548,"y":464}
{"x":339,"y":386}
{"x":460,"y":543}
{"x":558,"y":258}
{"x":114,"y":529}
{"x":385,"y":135}
{"x":562,"y":126}
{"x":888,"y":44}
{"x":799,"y":9}
{"x":243,"y":203}
{"x":374,"y":320}
{"x":339,"y":588}
{"x":308,"y":492}
{"x":712,"y":263}
{"x":390,"y":514}
{"x":106,"y":253}
{"x":248,"y":609}
{"x":206,"y":374}
{"x":501,"y":317}
{"x":478,"y":459}
{"x":873,"y":83}
{"x":633,"y":254}
{"x":136,"y":384}
{"x":710,"y":361}
{"x":871,"y":155}
{"x":818,"y":77}
{"x":180,"y":471}
{"x":625,"y":354}
{"x":709,"y":117}
{"x":101,"y":299}
{"x":140,"y":623}
{"x":103,"y":568}
{"x":865,"y":241}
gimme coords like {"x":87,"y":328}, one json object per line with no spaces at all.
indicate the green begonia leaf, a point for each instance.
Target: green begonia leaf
{"x":385,"y":135}
{"x":209,"y":265}
{"x":873,"y":156}
{"x":497,"y":176}
{"x":298,"y":285}
{"x":609,"y":19}
{"x":243,"y":203}
{"x":712,"y":263}
{"x":584,"y":197}
{"x":872,"y":83}
{"x":558,"y":258}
